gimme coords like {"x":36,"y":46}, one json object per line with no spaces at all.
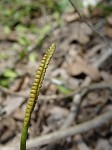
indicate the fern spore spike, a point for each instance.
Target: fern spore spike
{"x":35,"y":89}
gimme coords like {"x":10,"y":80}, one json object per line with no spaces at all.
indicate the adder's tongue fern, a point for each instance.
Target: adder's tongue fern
{"x":35,"y":89}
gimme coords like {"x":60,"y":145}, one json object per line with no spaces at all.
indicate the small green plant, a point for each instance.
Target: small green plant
{"x":35,"y":89}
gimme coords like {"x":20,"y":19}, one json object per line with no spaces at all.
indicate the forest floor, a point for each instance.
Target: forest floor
{"x":74,"y":109}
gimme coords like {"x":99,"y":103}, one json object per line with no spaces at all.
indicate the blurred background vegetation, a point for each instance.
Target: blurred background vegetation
{"x":27,"y":29}
{"x":26,"y":24}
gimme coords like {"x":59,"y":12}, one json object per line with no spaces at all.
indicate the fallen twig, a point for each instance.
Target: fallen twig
{"x":103,"y":58}
{"x":59,"y":97}
{"x":80,"y":143}
{"x":57,"y":135}
{"x":18,"y":94}
{"x":82,"y":90}
{"x":93,"y":29}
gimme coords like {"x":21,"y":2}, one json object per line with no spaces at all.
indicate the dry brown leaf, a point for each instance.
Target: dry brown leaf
{"x":81,"y":66}
{"x":109,"y":19}
{"x":108,"y":30}
{"x":56,"y":116}
{"x":57,"y":111}
{"x":103,"y":145}
{"x":14,"y":103}
{"x":18,"y":115}
{"x":81,"y":33}
{"x":7,"y":129}
{"x":70,"y":16}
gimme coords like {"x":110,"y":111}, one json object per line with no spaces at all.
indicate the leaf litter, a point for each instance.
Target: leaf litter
{"x":72,"y":67}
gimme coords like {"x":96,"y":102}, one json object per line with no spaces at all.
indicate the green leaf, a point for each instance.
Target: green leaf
{"x":22,"y":54}
{"x":63,"y":89}
{"x":7,"y":77}
{"x":5,"y":82}
{"x":9,"y":73}
{"x":3,"y":56}
{"x":43,"y":33}
{"x":24,"y":41}
{"x":64,"y":4}
{"x":7,"y":29}
{"x":105,"y":7}
{"x":21,"y":28}
{"x":33,"y":57}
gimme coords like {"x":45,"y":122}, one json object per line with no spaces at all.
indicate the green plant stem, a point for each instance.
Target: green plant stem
{"x":35,"y":89}
{"x":24,"y":137}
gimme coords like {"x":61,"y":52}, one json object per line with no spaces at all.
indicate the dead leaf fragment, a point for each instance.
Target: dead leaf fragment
{"x":103,"y":145}
{"x":70,"y":17}
{"x":57,"y":111}
{"x":108,"y":30}
{"x":109,"y":19}
{"x":14,"y":103}
{"x":19,"y":115}
{"x":81,"y":33}
{"x":81,"y":66}
{"x":56,"y":116}
{"x":7,"y":129}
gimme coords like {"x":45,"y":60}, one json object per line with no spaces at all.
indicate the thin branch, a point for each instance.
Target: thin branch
{"x":58,"y":135}
{"x":74,"y":5}
{"x":103,"y":58}
{"x":18,"y":94}
{"x":83,"y":91}
{"x":82,"y":128}
{"x":80,"y":143}
{"x":49,"y":97}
